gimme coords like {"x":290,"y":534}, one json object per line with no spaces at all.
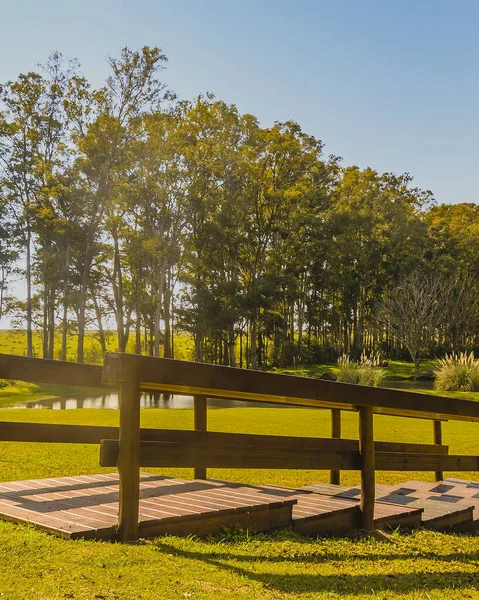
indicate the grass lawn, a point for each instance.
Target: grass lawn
{"x":283,"y":565}
{"x":396,"y":371}
{"x":14,"y":341}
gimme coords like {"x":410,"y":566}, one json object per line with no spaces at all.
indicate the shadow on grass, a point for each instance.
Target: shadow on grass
{"x":342,"y":581}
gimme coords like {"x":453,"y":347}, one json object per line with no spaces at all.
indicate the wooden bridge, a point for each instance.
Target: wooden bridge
{"x":129,"y":503}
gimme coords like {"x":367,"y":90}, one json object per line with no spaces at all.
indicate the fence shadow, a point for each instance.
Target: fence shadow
{"x":345,"y":583}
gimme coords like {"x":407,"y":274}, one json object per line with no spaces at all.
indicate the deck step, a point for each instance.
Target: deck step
{"x":315,"y":515}
{"x":460,"y":488}
{"x":387,"y":515}
{"x":439,"y":512}
{"x":457,"y":492}
{"x":466,"y":482}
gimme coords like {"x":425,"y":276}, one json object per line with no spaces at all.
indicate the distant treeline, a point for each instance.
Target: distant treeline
{"x":126,"y":207}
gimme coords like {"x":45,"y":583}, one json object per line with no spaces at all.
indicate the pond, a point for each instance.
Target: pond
{"x":147,"y":400}
{"x":156,"y":400}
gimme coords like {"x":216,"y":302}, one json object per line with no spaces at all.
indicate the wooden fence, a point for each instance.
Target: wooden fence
{"x":129,"y":447}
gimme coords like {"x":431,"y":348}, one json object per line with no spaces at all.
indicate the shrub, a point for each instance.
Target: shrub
{"x":457,"y":373}
{"x":366,"y":371}
{"x":348,"y":370}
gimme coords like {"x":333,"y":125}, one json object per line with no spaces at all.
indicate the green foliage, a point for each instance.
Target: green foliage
{"x":128,"y":208}
{"x":457,"y":373}
{"x":14,"y":341}
{"x":348,"y":370}
{"x":365,"y":371}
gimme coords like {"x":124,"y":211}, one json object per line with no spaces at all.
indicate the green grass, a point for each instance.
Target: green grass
{"x":423,"y":564}
{"x":397,"y":370}
{"x":14,"y":341}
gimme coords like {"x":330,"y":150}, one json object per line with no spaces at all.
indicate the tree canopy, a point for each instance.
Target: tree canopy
{"x":131,"y":210}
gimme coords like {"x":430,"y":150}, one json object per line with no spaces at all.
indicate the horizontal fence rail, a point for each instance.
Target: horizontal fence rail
{"x":11,"y":431}
{"x":213,"y":455}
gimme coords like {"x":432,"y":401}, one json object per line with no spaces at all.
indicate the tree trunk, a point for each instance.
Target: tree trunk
{"x":118,"y":295}
{"x":198,"y":347}
{"x":45,"y":314}
{"x":51,"y":323}
{"x":231,"y":347}
{"x":29,"y":293}
{"x":137,"y":330}
{"x":65,"y":303}
{"x":254,"y":348}
{"x":101,"y":332}
{"x":167,"y":322}
{"x":241,"y":347}
{"x":81,"y":321}
{"x":158,"y":311}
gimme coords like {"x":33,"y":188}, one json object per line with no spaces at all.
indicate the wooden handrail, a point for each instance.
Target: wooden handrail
{"x":176,"y":376}
{"x":43,"y":370}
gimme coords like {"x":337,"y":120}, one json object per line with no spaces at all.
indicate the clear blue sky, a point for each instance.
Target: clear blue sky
{"x":391,"y":84}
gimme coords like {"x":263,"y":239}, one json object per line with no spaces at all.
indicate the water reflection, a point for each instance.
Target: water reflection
{"x":147,"y":400}
{"x":157,"y":400}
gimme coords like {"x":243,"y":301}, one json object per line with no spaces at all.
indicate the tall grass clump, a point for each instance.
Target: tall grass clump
{"x":365,"y":371}
{"x":457,"y":373}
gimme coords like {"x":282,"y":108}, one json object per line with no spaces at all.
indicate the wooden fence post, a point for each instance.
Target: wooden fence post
{"x":437,"y":425}
{"x":335,"y":474}
{"x":366,"y":449}
{"x":129,"y":462}
{"x":199,"y":404}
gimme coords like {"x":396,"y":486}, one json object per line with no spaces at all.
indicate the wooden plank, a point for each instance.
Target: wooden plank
{"x":437,"y":427}
{"x":167,"y":454}
{"x":394,"y":461}
{"x":467,"y":482}
{"x":129,"y":462}
{"x":264,"y":519}
{"x":200,"y":454}
{"x":41,"y":370}
{"x":227,"y":382}
{"x":366,"y":450}
{"x":326,"y":489}
{"x":391,"y":516}
{"x":328,"y":518}
{"x":200,"y":424}
{"x":411,"y":448}
{"x":57,"y":433}
{"x":335,"y":475}
{"x":90,"y":434}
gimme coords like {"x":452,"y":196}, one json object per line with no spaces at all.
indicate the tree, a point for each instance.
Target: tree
{"x":132,"y":89}
{"x":8,"y":255}
{"x":414,"y":310}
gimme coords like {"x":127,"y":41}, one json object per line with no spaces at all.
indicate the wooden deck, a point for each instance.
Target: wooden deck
{"x":87,"y":507}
